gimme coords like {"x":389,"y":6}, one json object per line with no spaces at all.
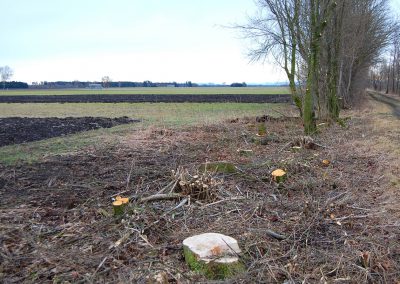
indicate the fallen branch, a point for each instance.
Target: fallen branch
{"x":157,"y":197}
{"x":275,"y":235}
{"x":223,"y":200}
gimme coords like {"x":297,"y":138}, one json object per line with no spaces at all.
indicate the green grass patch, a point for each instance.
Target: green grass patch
{"x":174,"y":115}
{"x":154,"y":91}
{"x":158,"y":114}
{"x":65,"y":145}
{"x":39,"y":150}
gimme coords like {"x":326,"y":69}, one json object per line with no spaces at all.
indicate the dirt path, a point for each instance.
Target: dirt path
{"x":392,"y":102}
{"x":382,"y":128}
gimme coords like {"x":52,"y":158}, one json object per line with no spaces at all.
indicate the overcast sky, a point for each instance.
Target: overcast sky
{"x":135,"y":40}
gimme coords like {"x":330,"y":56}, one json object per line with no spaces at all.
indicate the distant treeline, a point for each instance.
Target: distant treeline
{"x":125,"y":84}
{"x":14,"y":85}
{"x":117,"y":84}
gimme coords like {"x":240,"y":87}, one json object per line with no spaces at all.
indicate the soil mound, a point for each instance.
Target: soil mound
{"x":16,"y":130}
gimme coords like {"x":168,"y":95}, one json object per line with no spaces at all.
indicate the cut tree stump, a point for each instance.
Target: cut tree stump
{"x":119,"y":205}
{"x":118,"y":208}
{"x":279,"y":175}
{"x":214,"y":255}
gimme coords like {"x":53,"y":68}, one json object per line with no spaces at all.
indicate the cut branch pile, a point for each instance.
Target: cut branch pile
{"x":199,"y":187}
{"x":202,"y":186}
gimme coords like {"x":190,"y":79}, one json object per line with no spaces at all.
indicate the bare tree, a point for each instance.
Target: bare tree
{"x":319,"y":13}
{"x":385,"y":75}
{"x":6,"y":73}
{"x":396,"y":74}
{"x":106,"y":81}
{"x":274,"y":32}
{"x":328,"y":45}
{"x":367,"y":32}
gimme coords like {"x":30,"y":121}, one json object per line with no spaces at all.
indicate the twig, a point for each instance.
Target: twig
{"x":98,"y":267}
{"x":230,"y":248}
{"x":358,"y":208}
{"x":271,"y":233}
{"x":285,"y":146}
{"x":274,"y":197}
{"x":183,"y":202}
{"x":144,"y":238}
{"x":347,"y":279}
{"x":120,"y":241}
{"x":174,"y":182}
{"x":330,"y":200}
{"x":238,"y":189}
{"x":119,"y":193}
{"x":378,"y":179}
{"x":351,"y":216}
{"x":322,"y":146}
{"x":223,"y":200}
{"x":173,"y":186}
{"x":128,"y":179}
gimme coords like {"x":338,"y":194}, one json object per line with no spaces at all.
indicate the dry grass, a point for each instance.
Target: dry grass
{"x":339,"y":221}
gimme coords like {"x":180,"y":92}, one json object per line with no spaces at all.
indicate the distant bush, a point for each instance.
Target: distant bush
{"x":239,"y":84}
{"x":15,"y":85}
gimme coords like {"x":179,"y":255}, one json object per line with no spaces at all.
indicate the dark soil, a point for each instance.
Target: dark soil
{"x":16,"y":130}
{"x":146,"y":98}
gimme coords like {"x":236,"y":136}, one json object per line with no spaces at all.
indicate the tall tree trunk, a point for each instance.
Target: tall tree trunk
{"x":291,"y":76}
{"x":393,"y":67}
{"x":333,"y":57}
{"x":398,"y":76}
{"x":388,"y":79}
{"x":349,"y":79}
{"x":311,"y":86}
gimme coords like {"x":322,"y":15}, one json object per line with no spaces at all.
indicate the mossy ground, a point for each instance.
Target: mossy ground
{"x":213,"y":270}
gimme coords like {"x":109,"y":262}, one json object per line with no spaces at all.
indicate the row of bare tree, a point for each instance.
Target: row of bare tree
{"x":325,"y":47}
{"x":385,"y":75}
{"x":5,"y":73}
